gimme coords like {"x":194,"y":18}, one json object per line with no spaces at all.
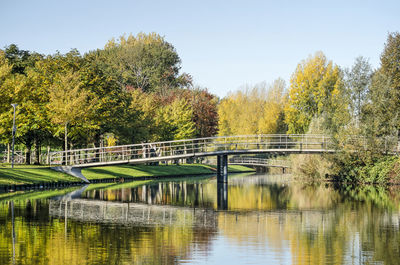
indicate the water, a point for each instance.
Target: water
{"x":256,"y":219}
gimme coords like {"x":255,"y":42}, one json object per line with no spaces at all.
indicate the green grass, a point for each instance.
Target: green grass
{"x":31,"y":175}
{"x":132,"y":171}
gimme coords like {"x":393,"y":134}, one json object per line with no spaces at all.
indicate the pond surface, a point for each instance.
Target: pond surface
{"x":255,"y":219}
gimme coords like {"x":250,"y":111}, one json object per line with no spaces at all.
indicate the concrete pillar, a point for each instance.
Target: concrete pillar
{"x":222,"y":168}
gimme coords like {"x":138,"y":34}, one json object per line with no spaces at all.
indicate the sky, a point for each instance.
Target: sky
{"x":224,"y":45}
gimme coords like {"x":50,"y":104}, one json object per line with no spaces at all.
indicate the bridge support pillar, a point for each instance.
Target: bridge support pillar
{"x":222,"y":168}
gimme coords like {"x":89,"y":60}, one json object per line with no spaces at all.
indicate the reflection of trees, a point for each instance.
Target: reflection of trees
{"x":314,"y":223}
{"x":43,"y":240}
{"x":171,"y":193}
{"x":322,"y":225}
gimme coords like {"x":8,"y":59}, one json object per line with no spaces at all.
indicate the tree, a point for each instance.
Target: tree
{"x":31,"y":97}
{"x":358,"y":81}
{"x":390,"y":72}
{"x":6,"y":86}
{"x":314,"y":89}
{"x":175,"y":121}
{"x":138,"y":121}
{"x":272,"y":120}
{"x":110,"y":100}
{"x":382,"y":111}
{"x":239,"y":113}
{"x":203,"y":104}
{"x":205,"y":112}
{"x":255,"y":110}
{"x":20,"y":59}
{"x":145,"y":61}
{"x":68,"y":102}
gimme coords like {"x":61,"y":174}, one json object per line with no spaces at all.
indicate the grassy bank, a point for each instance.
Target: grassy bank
{"x":22,"y":174}
{"x":133,"y":171}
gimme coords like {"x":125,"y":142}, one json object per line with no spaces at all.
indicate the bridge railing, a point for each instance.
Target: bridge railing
{"x":385,"y":144}
{"x":247,"y":160}
{"x":181,"y":148}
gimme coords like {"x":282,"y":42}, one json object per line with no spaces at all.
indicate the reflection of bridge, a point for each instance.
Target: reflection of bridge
{"x":220,"y":147}
{"x":139,"y":214}
{"x":131,"y":213}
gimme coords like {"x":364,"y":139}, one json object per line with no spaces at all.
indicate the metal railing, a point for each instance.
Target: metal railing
{"x":247,"y":160}
{"x":169,"y":150}
{"x":19,"y":157}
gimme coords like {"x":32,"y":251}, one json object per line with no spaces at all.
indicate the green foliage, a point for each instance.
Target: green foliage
{"x":131,"y":89}
{"x":175,"y":121}
{"x":145,"y":62}
{"x":358,"y":82}
{"x":379,"y":172}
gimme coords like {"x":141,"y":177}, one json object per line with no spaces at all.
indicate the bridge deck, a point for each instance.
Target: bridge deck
{"x":203,"y":154}
{"x":279,"y":144}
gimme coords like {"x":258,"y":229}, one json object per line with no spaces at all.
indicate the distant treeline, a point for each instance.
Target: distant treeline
{"x":359,"y":107}
{"x":130,"y":91}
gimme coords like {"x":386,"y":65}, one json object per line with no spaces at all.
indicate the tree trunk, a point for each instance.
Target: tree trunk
{"x":37,"y":152}
{"x":28,"y":154}
{"x":66,"y":142}
{"x":97,"y":144}
{"x":8,"y":152}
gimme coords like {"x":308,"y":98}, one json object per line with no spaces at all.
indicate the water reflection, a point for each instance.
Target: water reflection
{"x":222,"y":190}
{"x":13,"y":231}
{"x":253,"y":219}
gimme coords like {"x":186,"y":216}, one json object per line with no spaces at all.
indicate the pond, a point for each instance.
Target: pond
{"x":255,"y":219}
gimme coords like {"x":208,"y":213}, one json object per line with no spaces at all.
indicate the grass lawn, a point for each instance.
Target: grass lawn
{"x":23,"y":174}
{"x":132,"y":171}
{"x":32,"y":174}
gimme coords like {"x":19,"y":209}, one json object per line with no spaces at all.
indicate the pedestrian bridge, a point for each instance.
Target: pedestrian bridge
{"x":278,"y":144}
{"x":220,"y":147}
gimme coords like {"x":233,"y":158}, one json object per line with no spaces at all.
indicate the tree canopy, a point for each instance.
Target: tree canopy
{"x":130,"y":91}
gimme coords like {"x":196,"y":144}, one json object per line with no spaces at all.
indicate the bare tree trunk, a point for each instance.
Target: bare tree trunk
{"x":66,"y":142}
{"x":8,"y":153}
{"x":37,"y":152}
{"x":97,"y":144}
{"x":28,"y":154}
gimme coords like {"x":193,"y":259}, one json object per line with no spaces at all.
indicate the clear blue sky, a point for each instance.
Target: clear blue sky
{"x":222,"y":44}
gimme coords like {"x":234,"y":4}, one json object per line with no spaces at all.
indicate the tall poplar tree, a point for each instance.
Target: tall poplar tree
{"x":315,"y":88}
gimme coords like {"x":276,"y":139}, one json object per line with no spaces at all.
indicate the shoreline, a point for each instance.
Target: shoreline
{"x":112,"y":175}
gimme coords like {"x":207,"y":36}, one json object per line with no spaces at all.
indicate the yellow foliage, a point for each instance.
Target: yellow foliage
{"x":256,"y":110}
{"x":111,"y":140}
{"x":314,"y":86}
